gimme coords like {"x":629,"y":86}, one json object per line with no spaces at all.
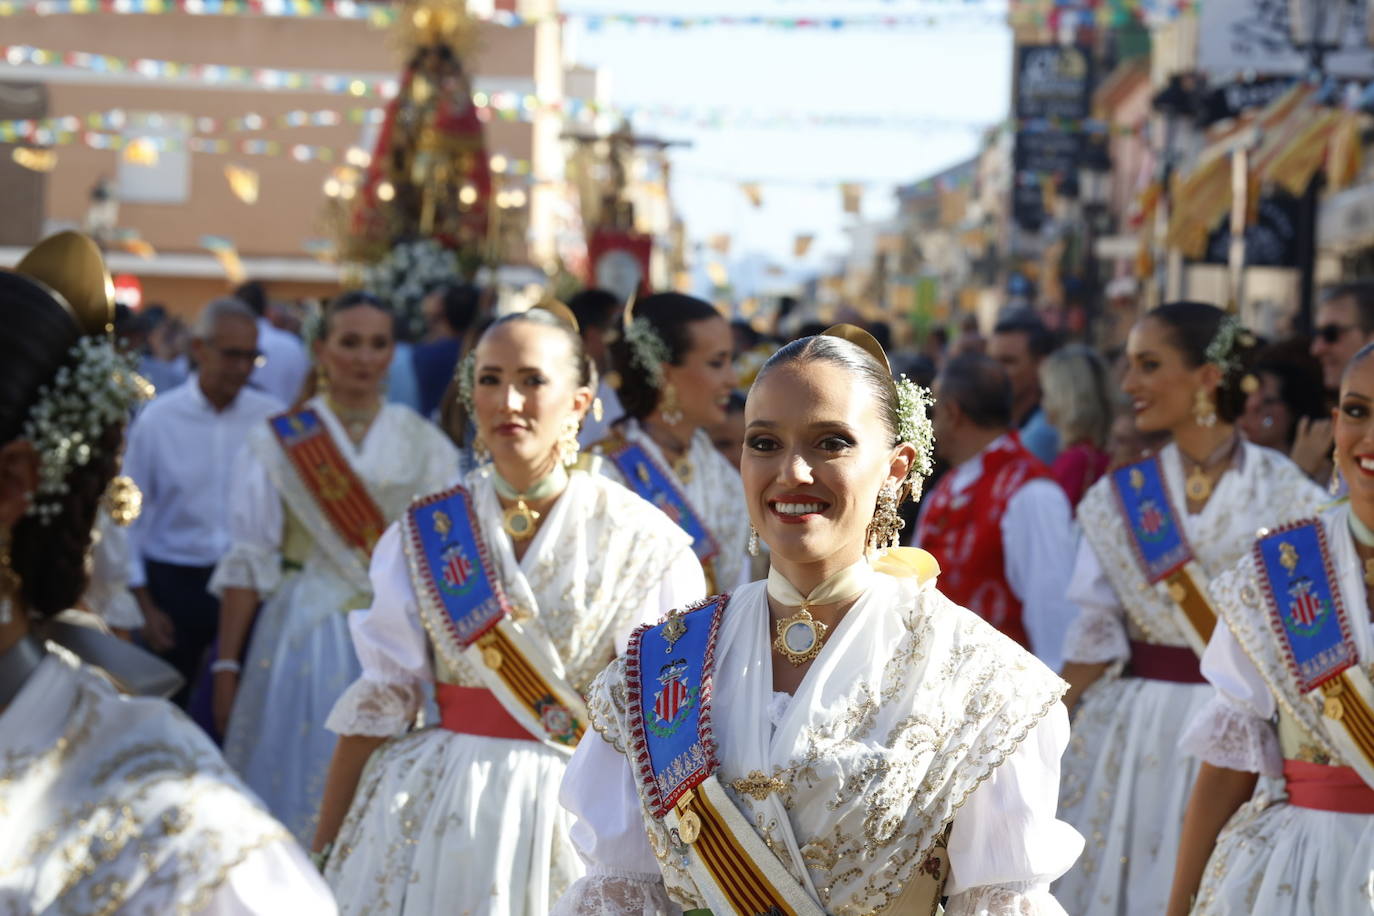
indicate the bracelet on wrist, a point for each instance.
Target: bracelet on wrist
{"x":222,"y":665}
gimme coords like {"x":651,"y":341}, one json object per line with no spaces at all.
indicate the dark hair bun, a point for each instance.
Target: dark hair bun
{"x":1192,"y":327}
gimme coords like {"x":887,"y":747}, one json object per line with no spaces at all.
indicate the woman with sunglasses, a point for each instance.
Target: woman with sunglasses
{"x":501,"y":597}
{"x":1290,"y":667}
{"x":314,"y":490}
{"x":111,"y":801}
{"x":1154,"y":532}
{"x":675,"y":370}
{"x":841,"y":738}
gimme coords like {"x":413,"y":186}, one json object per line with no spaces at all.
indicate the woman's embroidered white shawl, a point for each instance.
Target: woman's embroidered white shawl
{"x":913,"y":703}
{"x":1267,"y":489}
{"x":110,"y":802}
{"x":715,"y":491}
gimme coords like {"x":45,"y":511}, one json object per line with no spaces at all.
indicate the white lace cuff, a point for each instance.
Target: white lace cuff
{"x":1225,"y":736}
{"x":376,"y":709}
{"x":611,"y":894}
{"x":1005,"y":900}
{"x":247,"y":566}
{"x":1096,"y":637}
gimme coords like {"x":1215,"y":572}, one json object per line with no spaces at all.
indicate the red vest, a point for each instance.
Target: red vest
{"x":964,"y":533}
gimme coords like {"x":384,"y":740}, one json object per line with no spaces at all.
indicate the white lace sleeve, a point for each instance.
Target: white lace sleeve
{"x":1098,"y":633}
{"x":1005,"y":900}
{"x":392,"y":648}
{"x":255,"y":531}
{"x":1235,"y":729}
{"x":600,"y":894}
{"x":1225,"y":736}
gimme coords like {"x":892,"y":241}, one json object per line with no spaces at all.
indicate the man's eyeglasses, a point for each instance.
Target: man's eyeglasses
{"x":256,"y":357}
{"x":1331,"y":333}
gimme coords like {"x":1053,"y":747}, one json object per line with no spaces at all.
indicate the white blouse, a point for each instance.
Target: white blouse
{"x":1005,"y":845}
{"x":390,"y":637}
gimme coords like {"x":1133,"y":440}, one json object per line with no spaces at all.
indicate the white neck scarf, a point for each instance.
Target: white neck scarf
{"x":842,"y":586}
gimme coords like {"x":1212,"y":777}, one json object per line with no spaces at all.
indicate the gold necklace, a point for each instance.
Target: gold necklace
{"x":356,"y":422}
{"x":519,"y":520}
{"x":801,"y":637}
{"x":1198,"y":484}
{"x":668,"y":443}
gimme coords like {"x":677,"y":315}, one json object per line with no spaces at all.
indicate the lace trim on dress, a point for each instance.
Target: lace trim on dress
{"x":247,"y":566}
{"x":612,"y":894}
{"x":1228,"y":737}
{"x":376,"y":709}
{"x":1096,"y":636}
{"x":1005,"y":900}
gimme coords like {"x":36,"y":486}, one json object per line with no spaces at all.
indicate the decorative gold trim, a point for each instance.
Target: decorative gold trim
{"x":758,"y":785}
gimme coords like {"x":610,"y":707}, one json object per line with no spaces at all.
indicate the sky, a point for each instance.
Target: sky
{"x":955,"y":72}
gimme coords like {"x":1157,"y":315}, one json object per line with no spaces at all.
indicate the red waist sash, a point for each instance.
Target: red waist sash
{"x":476,"y":711}
{"x":1177,"y":664}
{"x":1323,"y":788}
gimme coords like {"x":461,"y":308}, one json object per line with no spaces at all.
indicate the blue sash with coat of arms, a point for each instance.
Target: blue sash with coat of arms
{"x":1305,"y":603}
{"x":454,"y":563}
{"x":1160,"y":545}
{"x":651,"y":482}
{"x":669,"y":668}
{"x":461,"y":597}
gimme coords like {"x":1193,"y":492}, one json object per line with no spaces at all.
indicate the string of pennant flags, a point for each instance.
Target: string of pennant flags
{"x":377,"y":15}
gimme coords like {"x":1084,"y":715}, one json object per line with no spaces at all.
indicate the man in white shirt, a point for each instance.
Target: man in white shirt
{"x":180,"y":452}
{"x":284,"y":364}
{"x":999,"y":525}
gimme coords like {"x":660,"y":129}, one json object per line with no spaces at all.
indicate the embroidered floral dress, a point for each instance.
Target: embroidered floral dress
{"x":115,"y":804}
{"x":916,"y":718}
{"x":300,"y":658}
{"x":454,"y":822}
{"x":1274,"y":858}
{"x":1126,"y":785}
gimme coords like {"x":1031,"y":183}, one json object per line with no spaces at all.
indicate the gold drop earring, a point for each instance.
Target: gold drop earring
{"x":1204,"y":409}
{"x":668,"y":406}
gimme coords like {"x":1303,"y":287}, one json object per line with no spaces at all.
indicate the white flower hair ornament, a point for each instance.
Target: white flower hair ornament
{"x":647,"y":350}
{"x":97,"y":385}
{"x":467,"y":381}
{"x":914,"y":426}
{"x":1223,"y":351}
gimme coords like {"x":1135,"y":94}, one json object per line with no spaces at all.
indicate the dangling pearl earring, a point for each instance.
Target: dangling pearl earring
{"x":753,"y":542}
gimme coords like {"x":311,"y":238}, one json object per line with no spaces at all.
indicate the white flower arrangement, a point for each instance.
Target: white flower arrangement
{"x":1222,"y":351}
{"x":647,"y":350}
{"x":914,"y":426}
{"x":467,"y":382}
{"x":94,"y":391}
{"x":407,"y":274}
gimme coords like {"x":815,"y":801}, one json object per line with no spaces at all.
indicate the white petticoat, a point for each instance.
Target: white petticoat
{"x":300,"y":661}
{"x":1125,"y":787}
{"x":450,"y":823}
{"x":1273,"y":859}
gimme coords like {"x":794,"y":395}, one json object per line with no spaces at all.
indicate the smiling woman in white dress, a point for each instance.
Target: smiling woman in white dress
{"x":314,"y":490}
{"x":1154,"y":532}
{"x":842,"y":738}
{"x":110,"y":803}
{"x":502,"y":597}
{"x":675,"y":370}
{"x":1291,"y":667}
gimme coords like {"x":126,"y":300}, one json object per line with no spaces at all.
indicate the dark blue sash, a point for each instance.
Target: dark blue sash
{"x":669,"y":670}
{"x":1305,"y":603}
{"x":1153,"y":526}
{"x":643,"y":475}
{"x":454,"y":565}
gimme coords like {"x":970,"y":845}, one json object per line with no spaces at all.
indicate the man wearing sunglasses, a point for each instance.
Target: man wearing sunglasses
{"x":1344,"y":323}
